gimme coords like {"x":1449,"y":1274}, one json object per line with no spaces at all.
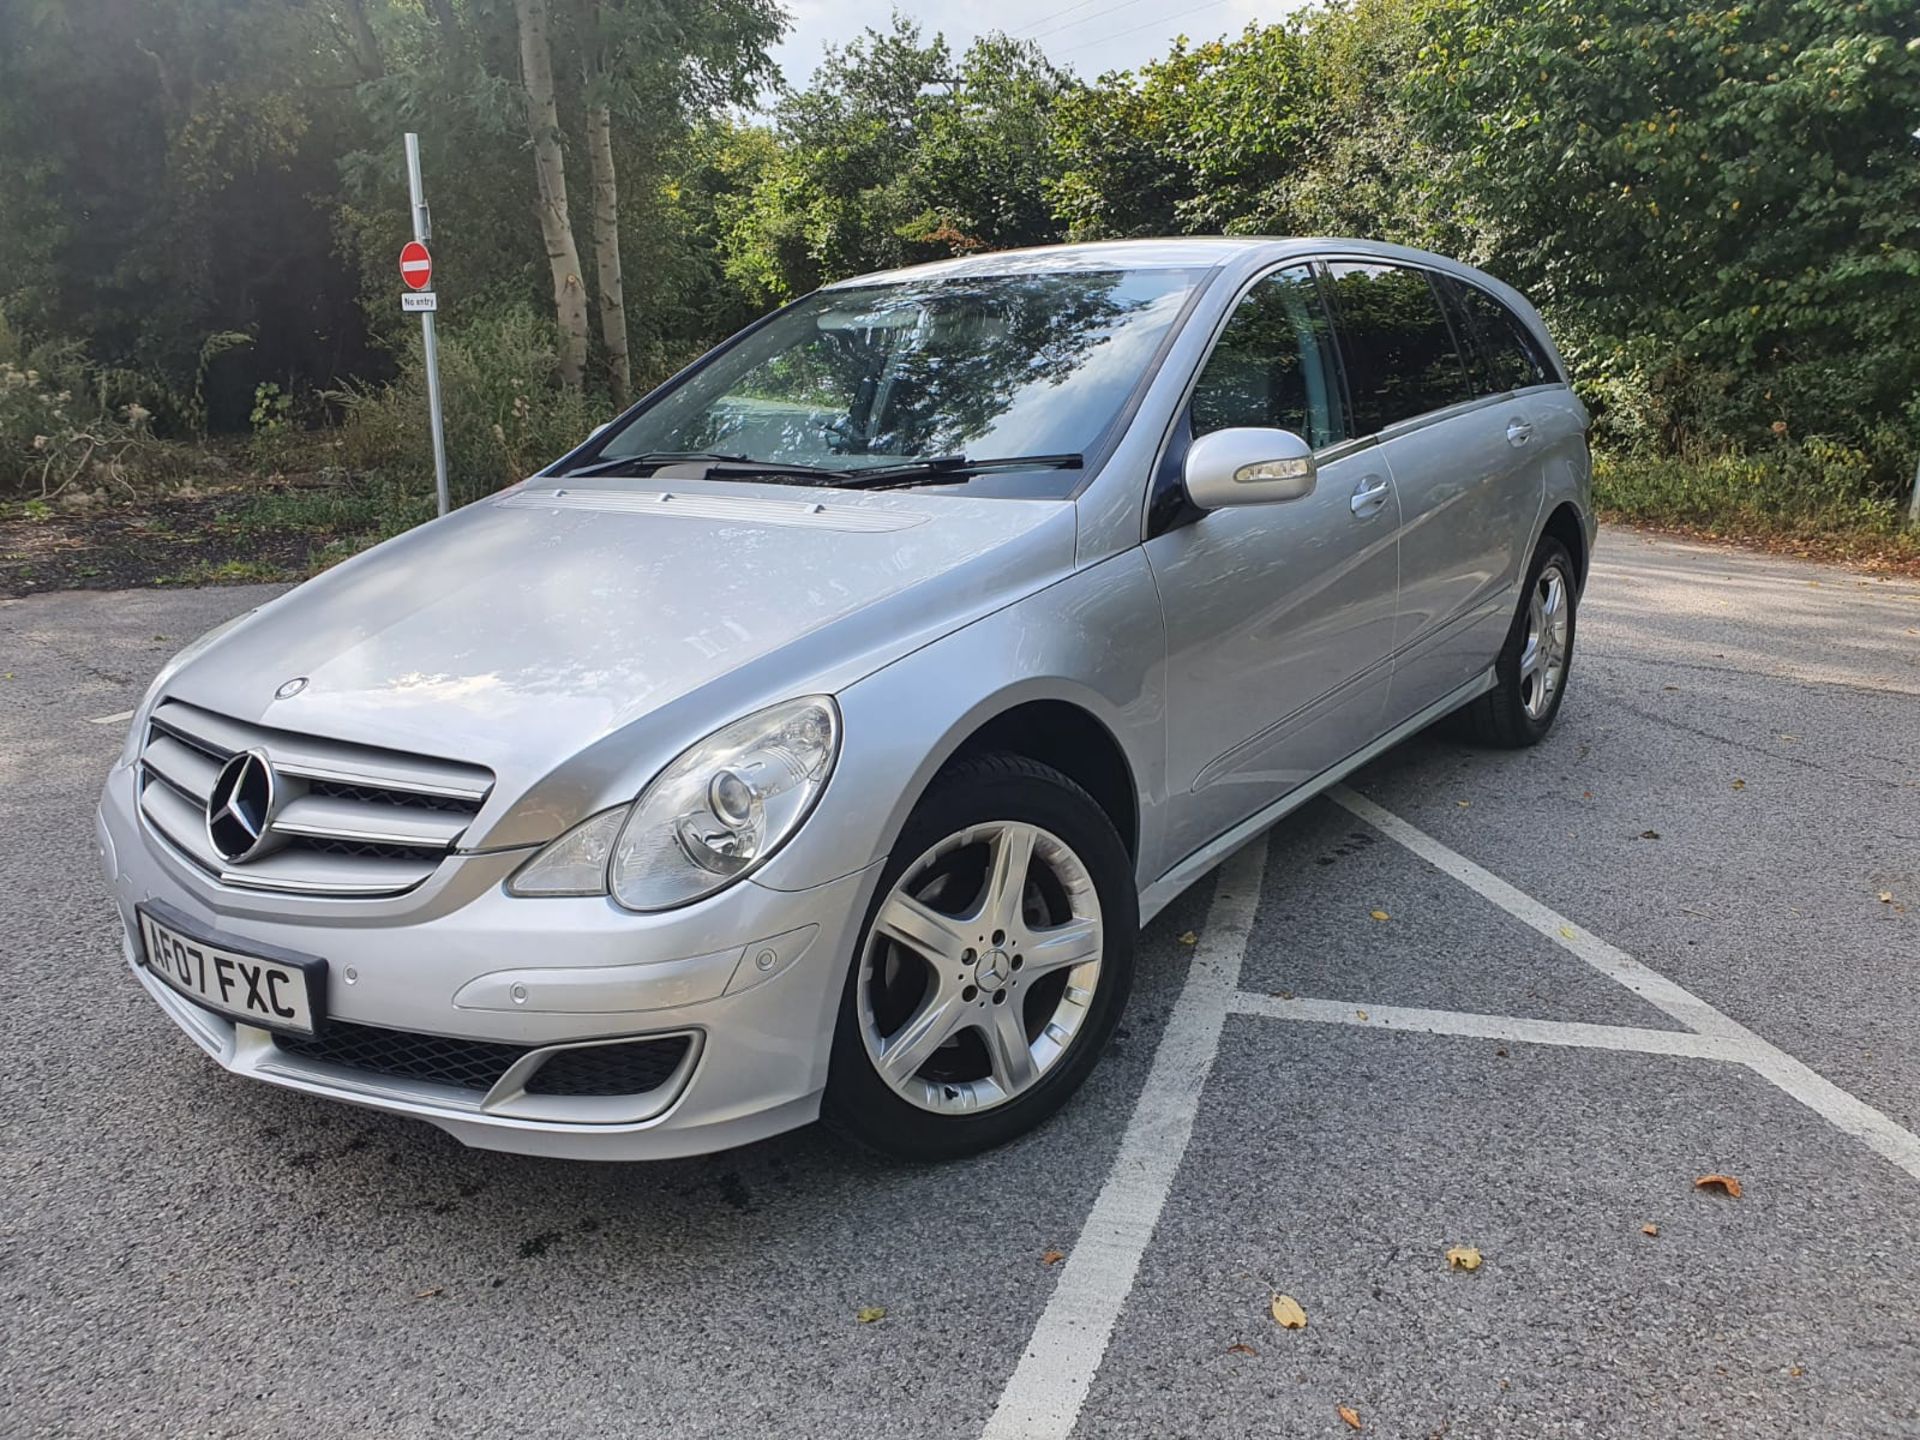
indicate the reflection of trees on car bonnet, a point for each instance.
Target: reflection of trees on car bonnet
{"x":989,"y":365}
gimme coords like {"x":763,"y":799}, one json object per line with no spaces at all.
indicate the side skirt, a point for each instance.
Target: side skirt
{"x":1156,"y":896}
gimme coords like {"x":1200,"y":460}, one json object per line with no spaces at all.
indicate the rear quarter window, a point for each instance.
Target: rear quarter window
{"x":1508,"y":354}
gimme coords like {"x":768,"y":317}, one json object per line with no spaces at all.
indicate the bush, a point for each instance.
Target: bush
{"x":505,"y":415}
{"x":1794,"y":488}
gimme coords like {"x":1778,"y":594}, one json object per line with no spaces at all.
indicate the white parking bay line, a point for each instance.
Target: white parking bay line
{"x":1516,"y":1028}
{"x":120,"y":719}
{"x":1048,"y":1387}
{"x":1841,"y":1108}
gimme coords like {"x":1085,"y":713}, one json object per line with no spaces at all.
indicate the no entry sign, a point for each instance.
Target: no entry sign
{"x":416,"y":265}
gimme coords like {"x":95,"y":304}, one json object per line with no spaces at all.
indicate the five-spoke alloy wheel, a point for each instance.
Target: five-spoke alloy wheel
{"x":994,"y":964}
{"x":1531,"y":672}
{"x":980,"y":967}
{"x":1543,"y":659}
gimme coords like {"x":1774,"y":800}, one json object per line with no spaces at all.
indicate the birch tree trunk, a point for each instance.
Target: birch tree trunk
{"x":606,"y":250}
{"x":549,"y":168}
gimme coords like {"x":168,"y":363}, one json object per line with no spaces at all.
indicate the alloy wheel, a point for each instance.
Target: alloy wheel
{"x":1543,"y":659}
{"x":980,"y":967}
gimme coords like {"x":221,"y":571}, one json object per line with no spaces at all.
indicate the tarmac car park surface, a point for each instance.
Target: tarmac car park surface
{"x":1680,"y":938}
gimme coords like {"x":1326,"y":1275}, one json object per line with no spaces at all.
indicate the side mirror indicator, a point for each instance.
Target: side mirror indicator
{"x":1249,"y":466}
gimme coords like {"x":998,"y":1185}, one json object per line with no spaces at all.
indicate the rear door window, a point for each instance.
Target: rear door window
{"x":1509,"y":356}
{"x":1273,"y":367}
{"x":1399,"y":350}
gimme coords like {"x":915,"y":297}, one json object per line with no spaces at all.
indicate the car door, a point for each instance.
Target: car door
{"x":1468,"y":493}
{"x":1279,"y":617}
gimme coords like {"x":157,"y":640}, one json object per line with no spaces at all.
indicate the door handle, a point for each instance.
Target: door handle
{"x":1518,"y":433}
{"x":1369,"y":496}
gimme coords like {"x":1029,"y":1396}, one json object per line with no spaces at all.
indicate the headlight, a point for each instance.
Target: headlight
{"x":712,"y":816}
{"x":191,"y":651}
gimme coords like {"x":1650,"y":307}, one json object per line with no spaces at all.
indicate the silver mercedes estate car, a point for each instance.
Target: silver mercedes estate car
{"x":813,"y":740}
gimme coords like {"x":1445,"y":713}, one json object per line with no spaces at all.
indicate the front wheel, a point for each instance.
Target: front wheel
{"x":1531,"y":673}
{"x":994,"y":964}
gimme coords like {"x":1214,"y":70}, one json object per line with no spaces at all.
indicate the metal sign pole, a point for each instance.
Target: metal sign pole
{"x":423,"y":231}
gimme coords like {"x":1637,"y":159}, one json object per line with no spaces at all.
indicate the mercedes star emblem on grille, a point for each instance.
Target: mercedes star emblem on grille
{"x":240,"y":806}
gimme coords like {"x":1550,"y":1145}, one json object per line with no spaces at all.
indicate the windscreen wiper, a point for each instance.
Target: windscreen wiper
{"x":713,"y":459}
{"x":939,"y":467}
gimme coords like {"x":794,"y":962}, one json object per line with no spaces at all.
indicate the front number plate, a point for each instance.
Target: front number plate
{"x":272,"y":993}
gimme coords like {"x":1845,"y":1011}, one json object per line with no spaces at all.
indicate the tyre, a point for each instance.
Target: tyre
{"x":1533,"y":664}
{"x":994,"y":963}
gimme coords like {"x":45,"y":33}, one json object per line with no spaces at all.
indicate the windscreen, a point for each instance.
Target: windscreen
{"x":989,"y":367}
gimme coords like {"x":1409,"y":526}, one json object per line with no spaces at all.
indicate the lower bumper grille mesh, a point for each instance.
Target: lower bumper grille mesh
{"x":437,"y":1059}
{"x":631,"y":1067}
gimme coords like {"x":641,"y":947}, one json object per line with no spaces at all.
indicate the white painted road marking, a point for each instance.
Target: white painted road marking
{"x":1492,"y":1027}
{"x":1044,"y":1396}
{"x":1838,"y":1107}
{"x":119,"y":719}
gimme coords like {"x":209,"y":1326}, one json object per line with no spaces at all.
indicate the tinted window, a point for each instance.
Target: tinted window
{"x":1509,"y":356}
{"x":1399,"y":350}
{"x":1273,"y":366}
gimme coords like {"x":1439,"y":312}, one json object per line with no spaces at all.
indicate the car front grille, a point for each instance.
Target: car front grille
{"x":347,"y":820}
{"x":629,"y":1067}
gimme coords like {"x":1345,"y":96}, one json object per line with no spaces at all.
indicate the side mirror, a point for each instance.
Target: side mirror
{"x":1248,"y":467}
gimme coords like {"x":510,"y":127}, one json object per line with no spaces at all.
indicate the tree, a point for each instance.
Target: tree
{"x":550,"y":172}
{"x":1723,"y":203}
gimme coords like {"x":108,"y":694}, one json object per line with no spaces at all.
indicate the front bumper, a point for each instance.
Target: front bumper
{"x":751,"y":976}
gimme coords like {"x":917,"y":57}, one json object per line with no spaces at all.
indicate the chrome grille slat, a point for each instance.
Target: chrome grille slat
{"x":190,"y":771}
{"x":313,"y":758}
{"x":349,"y":820}
{"x":180,"y":822}
{"x":326,"y":817}
{"x":308,"y":873}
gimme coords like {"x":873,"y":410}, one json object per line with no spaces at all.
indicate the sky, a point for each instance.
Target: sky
{"x":1089,"y":37}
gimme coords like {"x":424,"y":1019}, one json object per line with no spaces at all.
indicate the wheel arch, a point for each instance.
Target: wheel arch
{"x":1564,"y":525}
{"x":1073,"y":740}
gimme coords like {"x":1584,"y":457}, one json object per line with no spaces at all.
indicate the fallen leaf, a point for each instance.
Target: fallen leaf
{"x":1669,"y":687}
{"x":1567,"y":930}
{"x":1796,"y":1370}
{"x":1886,"y":897}
{"x":1463,"y":1257}
{"x":1380,"y":915}
{"x":1189,"y":938}
{"x":871,"y":1313}
{"x":1739,"y":784}
{"x":1501,"y":1052}
{"x":429,"y":1294}
{"x":1725,"y":1182}
{"x":1241,"y":1350}
{"x":1586,"y":794}
{"x":1053,"y":1257}
{"x":1464,"y":804}
{"x":1360,"y":1014}
{"x":1287,"y":1313}
{"x":1283,"y":994}
{"x":1649,"y":834}
{"x":1351,"y":1416}
{"x":1649,"y":1229}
